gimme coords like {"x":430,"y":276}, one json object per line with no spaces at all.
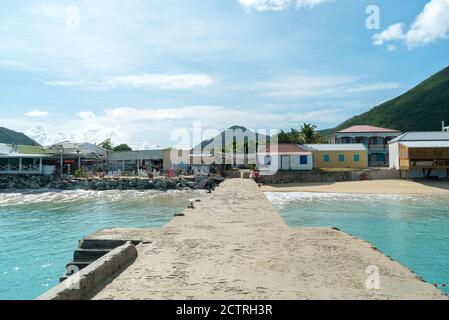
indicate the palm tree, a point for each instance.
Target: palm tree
{"x":307,"y":134}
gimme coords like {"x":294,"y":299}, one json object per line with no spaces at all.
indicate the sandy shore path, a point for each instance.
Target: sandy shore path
{"x":235,"y":245}
{"x":366,"y":187}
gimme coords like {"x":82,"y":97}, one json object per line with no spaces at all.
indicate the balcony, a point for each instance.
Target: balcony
{"x":377,"y":147}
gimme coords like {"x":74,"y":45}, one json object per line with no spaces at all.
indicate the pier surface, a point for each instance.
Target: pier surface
{"x":235,"y":245}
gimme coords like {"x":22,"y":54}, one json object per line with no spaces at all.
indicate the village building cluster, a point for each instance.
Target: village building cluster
{"x":414,"y":154}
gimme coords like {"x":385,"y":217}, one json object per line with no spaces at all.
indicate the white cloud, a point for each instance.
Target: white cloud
{"x":148,"y":127}
{"x":278,"y":5}
{"x":265,"y":5}
{"x":306,"y":86}
{"x":36,"y":113}
{"x":148,"y":81}
{"x":376,"y":87}
{"x":392,"y":33}
{"x":311,"y":3}
{"x":431,"y":25}
{"x":178,"y":81}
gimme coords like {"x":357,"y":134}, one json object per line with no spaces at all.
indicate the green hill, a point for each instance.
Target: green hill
{"x":420,"y":109}
{"x":13,"y":137}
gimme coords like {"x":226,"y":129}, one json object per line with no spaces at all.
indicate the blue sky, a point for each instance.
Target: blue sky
{"x":136,"y":70}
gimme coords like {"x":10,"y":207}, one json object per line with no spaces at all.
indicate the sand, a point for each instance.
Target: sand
{"x":366,"y":187}
{"x":235,"y":245}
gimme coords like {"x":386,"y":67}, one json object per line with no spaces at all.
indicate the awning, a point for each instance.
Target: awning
{"x":425,"y":144}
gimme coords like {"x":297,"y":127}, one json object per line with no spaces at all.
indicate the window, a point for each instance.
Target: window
{"x":341,"y":157}
{"x":326,"y":158}
{"x":302,"y":159}
{"x":356,"y":158}
{"x":267,"y":160}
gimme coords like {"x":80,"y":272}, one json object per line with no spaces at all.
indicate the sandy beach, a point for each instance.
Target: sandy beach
{"x":366,"y":187}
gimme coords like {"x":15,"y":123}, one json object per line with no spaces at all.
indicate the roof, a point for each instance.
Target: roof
{"x":19,"y":151}
{"x":336,"y":147}
{"x":366,"y":128}
{"x":84,"y":148}
{"x":422,"y":136}
{"x":285,"y":149}
{"x":425,"y":144}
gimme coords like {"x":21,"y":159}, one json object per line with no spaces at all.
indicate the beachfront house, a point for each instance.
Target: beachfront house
{"x":18,"y":159}
{"x":421,"y":154}
{"x":374,"y":138}
{"x":343,"y":156}
{"x":286,"y":157}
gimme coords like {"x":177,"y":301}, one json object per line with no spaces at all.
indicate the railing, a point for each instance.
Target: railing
{"x":12,"y":168}
{"x":380,"y":147}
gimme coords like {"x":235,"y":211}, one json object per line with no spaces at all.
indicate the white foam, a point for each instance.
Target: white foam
{"x":282,"y":199}
{"x":22,"y":198}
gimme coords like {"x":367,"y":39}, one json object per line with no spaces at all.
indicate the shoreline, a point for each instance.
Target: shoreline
{"x":387,"y":187}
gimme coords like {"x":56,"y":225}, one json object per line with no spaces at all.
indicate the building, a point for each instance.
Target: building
{"x":374,"y":138}
{"x":69,"y":157}
{"x":286,"y":157}
{"x":132,"y":162}
{"x":17,"y":159}
{"x":421,"y":154}
{"x":327,"y":156}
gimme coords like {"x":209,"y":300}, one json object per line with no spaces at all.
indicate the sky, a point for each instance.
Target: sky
{"x":139,"y":71}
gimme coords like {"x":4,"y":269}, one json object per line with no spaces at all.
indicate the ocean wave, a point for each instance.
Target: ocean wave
{"x":47,"y":196}
{"x":282,"y":199}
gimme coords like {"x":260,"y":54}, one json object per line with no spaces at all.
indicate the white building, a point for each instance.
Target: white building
{"x":421,"y":154}
{"x":286,"y":157}
{"x":22,"y":159}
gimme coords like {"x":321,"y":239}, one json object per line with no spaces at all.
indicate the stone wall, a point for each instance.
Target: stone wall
{"x":305,"y":177}
{"x":32,"y":182}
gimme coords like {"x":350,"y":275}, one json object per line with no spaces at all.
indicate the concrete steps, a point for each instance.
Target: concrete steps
{"x":87,"y":252}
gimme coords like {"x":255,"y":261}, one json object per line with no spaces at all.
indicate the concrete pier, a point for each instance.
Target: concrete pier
{"x":235,"y":245}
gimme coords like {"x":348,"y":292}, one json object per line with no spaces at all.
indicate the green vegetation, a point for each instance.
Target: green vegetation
{"x":12,"y":137}
{"x":122,"y":147}
{"x":107,"y":145}
{"x":306,"y":134}
{"x":420,"y":109}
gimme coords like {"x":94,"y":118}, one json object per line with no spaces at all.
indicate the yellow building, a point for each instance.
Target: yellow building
{"x":329,"y":156}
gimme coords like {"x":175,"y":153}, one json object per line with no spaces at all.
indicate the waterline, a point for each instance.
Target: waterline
{"x":414,"y":230}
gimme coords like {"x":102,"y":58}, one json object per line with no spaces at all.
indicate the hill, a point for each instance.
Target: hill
{"x":219,"y":140}
{"x":13,"y":137}
{"x":419,"y":109}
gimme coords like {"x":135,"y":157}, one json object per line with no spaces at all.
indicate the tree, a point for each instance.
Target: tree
{"x":307,"y":134}
{"x":107,"y":144}
{"x":122,"y":147}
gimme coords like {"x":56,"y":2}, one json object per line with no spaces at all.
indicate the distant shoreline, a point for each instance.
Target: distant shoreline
{"x":409,"y":187}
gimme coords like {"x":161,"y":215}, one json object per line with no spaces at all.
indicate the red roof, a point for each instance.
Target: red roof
{"x":365,"y":128}
{"x":285,"y":148}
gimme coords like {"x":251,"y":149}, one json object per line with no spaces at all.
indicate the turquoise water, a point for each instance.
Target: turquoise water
{"x":39,"y":232}
{"x":413,"y":230}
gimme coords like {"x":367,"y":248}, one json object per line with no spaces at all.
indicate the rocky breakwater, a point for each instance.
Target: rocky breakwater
{"x":26,"y":182}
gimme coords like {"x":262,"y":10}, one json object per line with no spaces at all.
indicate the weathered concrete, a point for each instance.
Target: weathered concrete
{"x":235,"y":245}
{"x":83,"y":284}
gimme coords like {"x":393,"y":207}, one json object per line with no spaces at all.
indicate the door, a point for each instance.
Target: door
{"x":285,"y":162}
